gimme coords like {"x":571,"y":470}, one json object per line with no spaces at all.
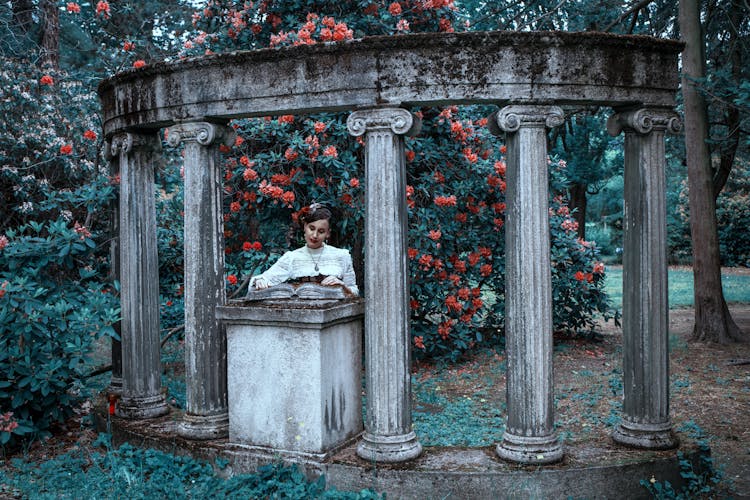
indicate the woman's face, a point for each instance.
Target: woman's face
{"x":316,"y":233}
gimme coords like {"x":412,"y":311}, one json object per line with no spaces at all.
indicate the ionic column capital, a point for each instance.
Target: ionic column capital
{"x":398,"y":120}
{"x":644,"y":121}
{"x":202,"y":132}
{"x":125,"y":142}
{"x":512,"y":118}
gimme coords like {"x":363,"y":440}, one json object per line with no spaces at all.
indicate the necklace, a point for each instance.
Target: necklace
{"x":315,"y":262}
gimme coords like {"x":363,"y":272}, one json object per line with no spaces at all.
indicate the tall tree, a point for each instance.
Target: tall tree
{"x":713,"y":321}
{"x":49,"y":42}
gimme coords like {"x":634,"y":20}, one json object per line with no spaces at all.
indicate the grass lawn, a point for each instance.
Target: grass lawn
{"x":736,"y":287}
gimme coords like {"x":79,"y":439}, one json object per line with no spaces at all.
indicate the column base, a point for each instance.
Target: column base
{"x":136,"y":408}
{"x":530,"y":449}
{"x":389,"y":449}
{"x":115,"y":386}
{"x":647,"y":436}
{"x":204,"y":426}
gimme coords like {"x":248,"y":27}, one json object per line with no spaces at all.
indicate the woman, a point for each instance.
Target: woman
{"x":316,"y":261}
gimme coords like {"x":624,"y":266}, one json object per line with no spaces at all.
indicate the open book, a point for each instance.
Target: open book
{"x":299,"y":291}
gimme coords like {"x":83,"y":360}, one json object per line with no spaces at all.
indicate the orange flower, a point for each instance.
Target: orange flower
{"x":331,"y":151}
{"x":445,"y":201}
{"x":232,"y":279}
{"x":139,"y":64}
{"x":73,"y":8}
{"x":46,"y":80}
{"x":319,"y":127}
{"x":579,"y":276}
{"x":395,"y":9}
{"x":249,"y":174}
{"x":235,"y":206}
{"x":353,"y":182}
{"x":435,"y":234}
{"x":412,"y":252}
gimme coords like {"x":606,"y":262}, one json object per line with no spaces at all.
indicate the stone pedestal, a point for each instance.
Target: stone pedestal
{"x":645,"y":306}
{"x":205,"y":340}
{"x":294,"y":374}
{"x":388,"y":428}
{"x":142,"y":397}
{"x":529,"y":436}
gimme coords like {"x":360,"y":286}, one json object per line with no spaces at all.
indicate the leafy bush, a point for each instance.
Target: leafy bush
{"x":129,"y":472}
{"x":54,"y":196}
{"x":456,"y":188}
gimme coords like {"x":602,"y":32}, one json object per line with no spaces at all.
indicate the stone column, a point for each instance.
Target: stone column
{"x":115,"y":382}
{"x":206,"y":413}
{"x":529,"y":436}
{"x":139,"y":277}
{"x":645,"y":306}
{"x":388,"y":435}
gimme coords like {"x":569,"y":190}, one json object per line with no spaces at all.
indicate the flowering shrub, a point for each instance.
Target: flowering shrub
{"x":54,"y":195}
{"x":456,"y":192}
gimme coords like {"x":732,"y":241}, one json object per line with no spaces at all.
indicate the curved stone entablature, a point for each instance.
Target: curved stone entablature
{"x":418,"y":69}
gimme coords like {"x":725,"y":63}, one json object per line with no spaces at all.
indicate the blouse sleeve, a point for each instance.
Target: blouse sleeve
{"x":349,"y":279}
{"x":277,"y":273}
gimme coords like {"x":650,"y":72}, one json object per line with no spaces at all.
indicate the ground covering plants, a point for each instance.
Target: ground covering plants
{"x":129,"y":472}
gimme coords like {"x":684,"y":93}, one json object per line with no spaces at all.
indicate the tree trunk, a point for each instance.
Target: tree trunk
{"x":713,"y":323}
{"x":578,"y":202}
{"x":49,"y":44}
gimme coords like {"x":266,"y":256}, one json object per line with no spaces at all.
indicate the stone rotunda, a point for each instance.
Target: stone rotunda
{"x":532,"y":77}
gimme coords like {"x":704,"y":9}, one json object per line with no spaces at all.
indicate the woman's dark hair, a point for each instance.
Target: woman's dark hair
{"x":315,"y":212}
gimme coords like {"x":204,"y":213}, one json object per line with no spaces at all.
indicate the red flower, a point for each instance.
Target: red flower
{"x":103,"y":8}
{"x":445,"y":201}
{"x":485,"y":270}
{"x":452,"y":303}
{"x":347,"y":198}
{"x":395,"y":9}
{"x":460,"y":266}
{"x":139,"y":63}
{"x":286,"y":119}
{"x":319,"y":127}
{"x":354,"y":182}
{"x":414,"y":304}
{"x":412,"y":252}
{"x":90,"y":135}
{"x":66,"y":149}
{"x":247,"y":246}
{"x":463,"y":293}
{"x":410,"y":155}
{"x":503,"y":149}
{"x":444,"y":329}
{"x":599,"y":267}
{"x":419,"y":342}
{"x":331,"y":151}
{"x":320,"y":182}
{"x":128,"y":46}
{"x":435,"y":235}
{"x":249,"y":174}
{"x":580,"y":276}
{"x":288,"y":197}
{"x":234,"y":206}
{"x":46,"y":80}
{"x":290,"y":154}
{"x":232,"y":279}
{"x":3,"y":241}
{"x":425,"y":261}
{"x":73,"y":8}
{"x":257,"y":246}
{"x":238,"y":141}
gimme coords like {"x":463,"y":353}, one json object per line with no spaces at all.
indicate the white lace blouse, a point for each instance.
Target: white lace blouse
{"x":330,"y":261}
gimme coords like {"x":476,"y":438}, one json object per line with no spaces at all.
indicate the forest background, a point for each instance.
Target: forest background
{"x":57,"y":292}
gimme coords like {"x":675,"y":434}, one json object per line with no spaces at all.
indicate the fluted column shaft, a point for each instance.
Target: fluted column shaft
{"x":115,"y":382}
{"x":529,"y":435}
{"x":645,"y":305}
{"x":388,"y":435}
{"x":207,"y":412}
{"x":139,"y":276}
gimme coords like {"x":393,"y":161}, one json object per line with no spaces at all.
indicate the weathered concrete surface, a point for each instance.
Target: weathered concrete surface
{"x":205,"y":339}
{"x":388,"y":433}
{"x":645,"y":303}
{"x":529,"y":436}
{"x":416,"y":69}
{"x":137,"y":155}
{"x":294,"y":376}
{"x":606,"y":472}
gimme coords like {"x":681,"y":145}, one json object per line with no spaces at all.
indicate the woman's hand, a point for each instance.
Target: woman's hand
{"x":260,"y":284}
{"x":331,"y":280}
